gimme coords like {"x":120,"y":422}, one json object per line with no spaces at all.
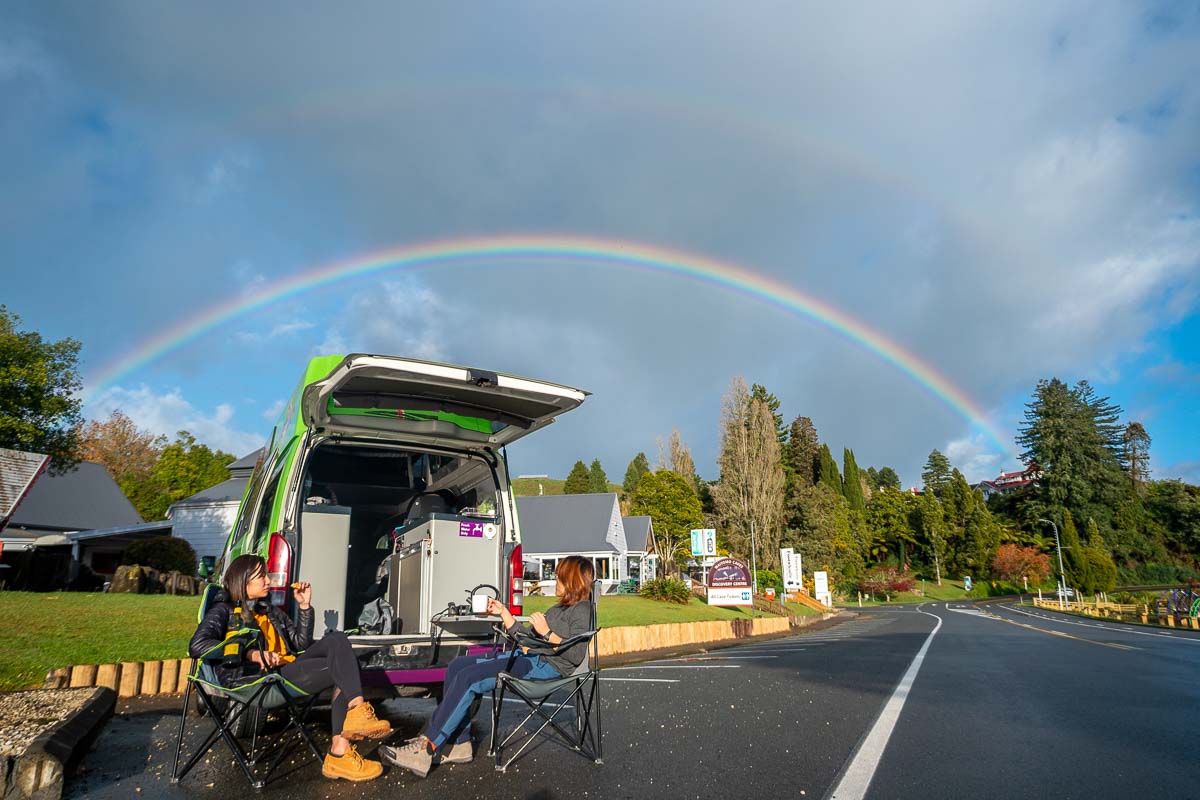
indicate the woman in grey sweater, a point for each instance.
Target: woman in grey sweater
{"x":469,"y":677}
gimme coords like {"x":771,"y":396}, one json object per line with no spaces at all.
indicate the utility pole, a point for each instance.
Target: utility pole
{"x":1062,"y":589}
{"x":753,"y":569}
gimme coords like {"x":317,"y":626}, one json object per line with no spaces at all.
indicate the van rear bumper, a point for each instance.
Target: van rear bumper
{"x":384,"y":676}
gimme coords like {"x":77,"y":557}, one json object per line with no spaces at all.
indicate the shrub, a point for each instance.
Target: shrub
{"x":768,"y":579}
{"x":667,"y":590}
{"x":887,"y":581}
{"x":165,"y":554}
{"x":1012,"y":563}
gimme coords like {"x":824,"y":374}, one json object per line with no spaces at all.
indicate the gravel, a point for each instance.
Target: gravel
{"x":25,"y":715}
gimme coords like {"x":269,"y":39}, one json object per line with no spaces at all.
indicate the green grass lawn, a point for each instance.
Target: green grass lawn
{"x":949,"y":590}
{"x":799,"y":610}
{"x":619,"y":610}
{"x":41,"y":631}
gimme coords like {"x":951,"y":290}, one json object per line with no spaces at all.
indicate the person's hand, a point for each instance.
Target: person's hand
{"x":266,"y":659}
{"x":497,"y":609}
{"x":302,"y":591}
{"x":538,"y":620}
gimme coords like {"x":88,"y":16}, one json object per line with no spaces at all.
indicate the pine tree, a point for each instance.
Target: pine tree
{"x":933,"y":528}
{"x":827,"y":471}
{"x":638,"y":467}
{"x":579,"y":481}
{"x":872,"y":478}
{"x":1136,"y":444}
{"x":1075,"y":559}
{"x":597,"y":480}
{"x":936,"y":474}
{"x":889,"y":478}
{"x":759,"y":392}
{"x":801,"y":454}
{"x":852,"y":482}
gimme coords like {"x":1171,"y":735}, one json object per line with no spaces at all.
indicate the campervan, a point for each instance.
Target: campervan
{"x":385,"y":485}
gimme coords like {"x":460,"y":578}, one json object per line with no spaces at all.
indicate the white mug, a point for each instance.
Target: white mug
{"x":479,"y":603}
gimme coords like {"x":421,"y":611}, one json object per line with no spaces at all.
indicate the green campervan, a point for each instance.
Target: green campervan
{"x":385,"y":485}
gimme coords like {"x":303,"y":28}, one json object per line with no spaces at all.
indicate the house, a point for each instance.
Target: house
{"x":1009,"y":481}
{"x":78,"y":518}
{"x":588,"y":525}
{"x":641,"y":561}
{"x":206,"y":518}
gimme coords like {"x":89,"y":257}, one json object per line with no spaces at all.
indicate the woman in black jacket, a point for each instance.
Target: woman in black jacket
{"x":287,"y":646}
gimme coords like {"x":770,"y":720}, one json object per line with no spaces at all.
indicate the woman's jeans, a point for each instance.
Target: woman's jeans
{"x":469,"y":677}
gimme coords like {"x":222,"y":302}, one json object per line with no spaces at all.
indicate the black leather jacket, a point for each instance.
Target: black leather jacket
{"x":212,"y":629}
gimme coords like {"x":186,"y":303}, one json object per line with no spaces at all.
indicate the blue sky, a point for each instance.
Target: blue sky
{"x":1010,"y":192}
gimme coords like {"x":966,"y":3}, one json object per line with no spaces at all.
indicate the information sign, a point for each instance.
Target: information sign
{"x":729,"y":584}
{"x":821,"y":588}
{"x":704,"y":542}
{"x":793,"y":573}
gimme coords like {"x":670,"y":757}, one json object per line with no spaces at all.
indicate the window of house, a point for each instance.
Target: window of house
{"x":548,"y":567}
{"x":603,"y":567}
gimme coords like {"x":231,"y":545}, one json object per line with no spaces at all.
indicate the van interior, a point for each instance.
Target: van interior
{"x":357,"y":500}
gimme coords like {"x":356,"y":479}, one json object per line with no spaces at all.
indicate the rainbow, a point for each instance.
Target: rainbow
{"x":597,"y":253}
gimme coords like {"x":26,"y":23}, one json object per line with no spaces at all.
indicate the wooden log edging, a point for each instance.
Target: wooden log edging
{"x":169,"y":676}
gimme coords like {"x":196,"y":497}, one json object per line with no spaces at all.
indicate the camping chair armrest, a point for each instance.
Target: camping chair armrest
{"x":538,"y":646}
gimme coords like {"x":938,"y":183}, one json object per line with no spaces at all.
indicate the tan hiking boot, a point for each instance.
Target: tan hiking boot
{"x":413,"y":755}
{"x":460,"y":753}
{"x":351,"y":766}
{"x":361,"y":723}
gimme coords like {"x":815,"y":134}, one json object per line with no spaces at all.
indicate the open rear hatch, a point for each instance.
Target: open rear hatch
{"x":431,"y":402}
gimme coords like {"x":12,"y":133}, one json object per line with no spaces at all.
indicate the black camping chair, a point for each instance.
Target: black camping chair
{"x":582,"y":688}
{"x":241,"y":707}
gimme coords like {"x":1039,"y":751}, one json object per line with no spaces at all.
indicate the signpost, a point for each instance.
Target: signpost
{"x":729,"y":584}
{"x":793,"y":575}
{"x":821,"y":588}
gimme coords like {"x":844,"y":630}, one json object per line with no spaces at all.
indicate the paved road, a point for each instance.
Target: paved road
{"x":927,"y":702}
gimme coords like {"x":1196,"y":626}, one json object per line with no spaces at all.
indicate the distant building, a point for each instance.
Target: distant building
{"x":1009,"y":481}
{"x":206,"y":518}
{"x":588,"y":525}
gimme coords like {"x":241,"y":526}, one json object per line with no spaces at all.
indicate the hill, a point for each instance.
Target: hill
{"x":528,"y":487}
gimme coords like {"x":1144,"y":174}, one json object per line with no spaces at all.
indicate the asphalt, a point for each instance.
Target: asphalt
{"x":995,"y":710}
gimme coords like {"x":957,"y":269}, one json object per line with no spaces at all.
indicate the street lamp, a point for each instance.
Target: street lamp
{"x":1062,"y":593}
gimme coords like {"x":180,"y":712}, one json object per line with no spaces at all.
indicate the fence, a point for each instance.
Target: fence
{"x":1129,"y":612}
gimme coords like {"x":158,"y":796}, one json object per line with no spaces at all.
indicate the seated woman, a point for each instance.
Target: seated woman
{"x":469,"y":677}
{"x":288,"y":646}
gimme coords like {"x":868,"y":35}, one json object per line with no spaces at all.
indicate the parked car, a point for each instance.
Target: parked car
{"x":385,"y":485}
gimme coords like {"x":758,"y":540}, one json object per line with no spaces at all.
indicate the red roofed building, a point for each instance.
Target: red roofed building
{"x":1009,"y":481}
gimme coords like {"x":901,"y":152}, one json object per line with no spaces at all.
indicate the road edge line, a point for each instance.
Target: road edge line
{"x":856,"y":777}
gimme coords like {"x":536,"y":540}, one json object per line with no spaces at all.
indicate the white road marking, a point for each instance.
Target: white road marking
{"x":857,"y":777}
{"x":1163,"y":635}
{"x":642,"y":680}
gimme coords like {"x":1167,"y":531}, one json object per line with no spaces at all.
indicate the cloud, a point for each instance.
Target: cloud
{"x":397,"y":316}
{"x":272,"y":412}
{"x":168,"y":412}
{"x":974,"y":458}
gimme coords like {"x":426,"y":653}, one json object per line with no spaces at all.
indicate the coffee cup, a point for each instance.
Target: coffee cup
{"x":479,"y":603}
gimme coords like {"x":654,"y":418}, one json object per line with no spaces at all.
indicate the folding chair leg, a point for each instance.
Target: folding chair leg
{"x":187,"y":698}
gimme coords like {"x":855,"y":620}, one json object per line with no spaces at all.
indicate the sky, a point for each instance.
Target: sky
{"x":1000,"y":192}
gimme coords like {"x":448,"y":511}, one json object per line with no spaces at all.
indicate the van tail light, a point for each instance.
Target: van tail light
{"x":279,"y":567}
{"x":516,"y":582}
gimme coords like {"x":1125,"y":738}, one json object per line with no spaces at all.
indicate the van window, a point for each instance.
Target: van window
{"x":262,"y":522}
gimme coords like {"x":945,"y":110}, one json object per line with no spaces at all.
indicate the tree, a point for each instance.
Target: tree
{"x":1012,"y":563}
{"x":1137,"y":453}
{"x":184,"y":468}
{"x":872,"y":478}
{"x":889,"y":479}
{"x":681,"y":458}
{"x":933,"y":528}
{"x":888,"y":519}
{"x":634,"y":472}
{"x":802,"y":452}
{"x":760,"y":393}
{"x":936,"y":474}
{"x":674,"y":510}
{"x":127,"y":453}
{"x":579,"y":481}
{"x":852,"y":482}
{"x":597,"y":480}
{"x":827,"y":470}
{"x":39,"y":409}
{"x":749,"y":496}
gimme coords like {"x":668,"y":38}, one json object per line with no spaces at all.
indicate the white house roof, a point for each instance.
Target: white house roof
{"x":571,"y":523}
{"x":18,"y":471}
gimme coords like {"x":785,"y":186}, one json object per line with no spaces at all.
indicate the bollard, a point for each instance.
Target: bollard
{"x":151,"y":673}
{"x":107,"y":675}
{"x":170,"y":676}
{"x":82,"y":676}
{"x":131,"y":679}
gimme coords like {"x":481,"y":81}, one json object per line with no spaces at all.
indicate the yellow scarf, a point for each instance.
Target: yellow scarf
{"x":274,"y":642}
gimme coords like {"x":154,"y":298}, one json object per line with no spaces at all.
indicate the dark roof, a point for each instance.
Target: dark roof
{"x":224,"y":492}
{"x":18,"y":470}
{"x":570,"y":523}
{"x":245,"y":465}
{"x":82,"y":499}
{"x":637,"y":533}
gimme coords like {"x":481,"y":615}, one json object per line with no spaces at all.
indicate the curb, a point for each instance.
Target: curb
{"x":126,"y":679}
{"x":38,"y":773}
